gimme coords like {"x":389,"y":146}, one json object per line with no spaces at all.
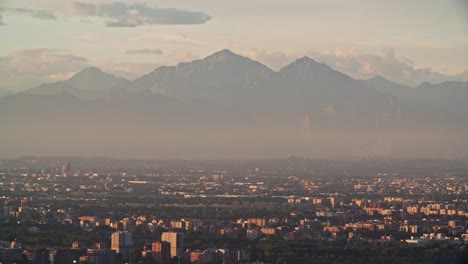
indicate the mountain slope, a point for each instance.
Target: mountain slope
{"x":449,"y":97}
{"x":303,"y":86}
{"x":385,"y":86}
{"x":223,"y":76}
{"x":90,"y":83}
{"x":93,"y":79}
{"x":226,"y":106}
{"x":316,"y":89}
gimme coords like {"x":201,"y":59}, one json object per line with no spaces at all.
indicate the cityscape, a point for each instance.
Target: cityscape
{"x":293,"y":210}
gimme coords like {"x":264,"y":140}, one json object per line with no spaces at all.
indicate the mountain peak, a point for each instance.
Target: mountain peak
{"x":377,"y":78}
{"x":93,"y":78}
{"x":223,"y":55}
{"x":307,"y":64}
{"x":307,"y":60}
{"x":225,"y":52}
{"x":423,"y":84}
{"x":90,"y":72}
{"x":380,"y":80}
{"x":92,"y":69}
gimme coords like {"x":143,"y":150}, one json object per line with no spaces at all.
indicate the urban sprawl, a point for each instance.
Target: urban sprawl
{"x":292,"y":210}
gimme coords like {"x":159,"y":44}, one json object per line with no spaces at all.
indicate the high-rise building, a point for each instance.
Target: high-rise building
{"x":42,"y":256}
{"x":101,"y":256}
{"x":161,"y":251}
{"x":121,"y":242}
{"x":10,"y":255}
{"x":23,"y":203}
{"x":177,"y":243}
{"x":63,"y":256}
{"x":66,"y":168}
{"x":7,"y":209}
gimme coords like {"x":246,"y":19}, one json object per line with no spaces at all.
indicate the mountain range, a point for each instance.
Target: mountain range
{"x":229,"y":106}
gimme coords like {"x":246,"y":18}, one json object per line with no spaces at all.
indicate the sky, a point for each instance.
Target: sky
{"x":408,"y":42}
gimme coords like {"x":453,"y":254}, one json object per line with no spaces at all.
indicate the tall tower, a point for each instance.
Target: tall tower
{"x":66,"y":168}
{"x":177,"y":243}
{"x":161,"y":251}
{"x":121,"y":242}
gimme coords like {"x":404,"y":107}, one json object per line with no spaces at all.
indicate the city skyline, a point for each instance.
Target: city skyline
{"x":271,"y":211}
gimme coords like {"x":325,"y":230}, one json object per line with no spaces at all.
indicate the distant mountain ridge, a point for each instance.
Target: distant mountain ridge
{"x":450,"y":96}
{"x":214,"y":76}
{"x":232,"y":106}
{"x":93,"y":78}
{"x":225,"y":70}
{"x":90,"y":83}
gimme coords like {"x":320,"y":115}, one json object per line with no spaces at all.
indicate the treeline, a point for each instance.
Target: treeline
{"x":281,"y":251}
{"x":51,"y":233}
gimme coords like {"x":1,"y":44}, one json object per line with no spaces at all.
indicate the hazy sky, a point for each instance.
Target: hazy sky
{"x":405,"y":41}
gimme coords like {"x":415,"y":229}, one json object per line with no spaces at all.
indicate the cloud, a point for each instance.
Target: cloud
{"x":117,"y":14}
{"x":61,"y":76}
{"x":171,"y":38}
{"x":128,"y":70}
{"x":273,"y":59}
{"x":24,"y":69}
{"x":133,"y":70}
{"x":144,"y":51}
{"x":83,"y":9}
{"x":38,"y":14}
{"x":86,"y":21}
{"x":364,"y":65}
{"x":43,"y":60}
{"x":120,"y":14}
{"x":184,"y":56}
{"x":361,"y":65}
{"x":27,"y":68}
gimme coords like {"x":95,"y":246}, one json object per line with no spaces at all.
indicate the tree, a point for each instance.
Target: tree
{"x":136,"y":256}
{"x":148,"y":260}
